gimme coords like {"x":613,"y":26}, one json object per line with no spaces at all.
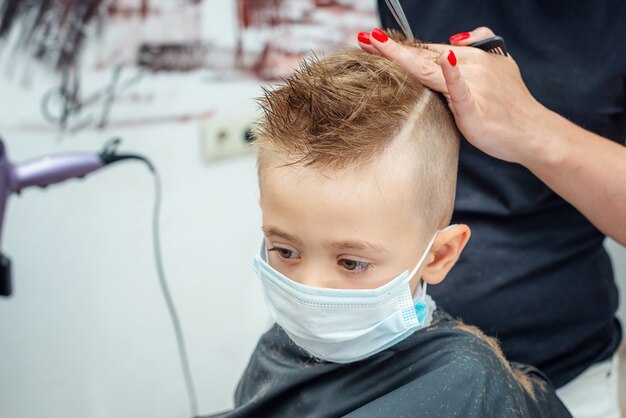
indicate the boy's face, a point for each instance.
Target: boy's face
{"x":355,"y":228}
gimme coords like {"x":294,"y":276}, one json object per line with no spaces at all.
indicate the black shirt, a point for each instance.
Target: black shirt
{"x":444,"y":370}
{"x":535,"y":272}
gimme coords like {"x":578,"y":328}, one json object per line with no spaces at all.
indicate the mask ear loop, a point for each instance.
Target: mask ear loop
{"x":419,"y":263}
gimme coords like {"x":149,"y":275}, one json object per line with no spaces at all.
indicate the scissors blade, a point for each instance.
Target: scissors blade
{"x":398,"y":13}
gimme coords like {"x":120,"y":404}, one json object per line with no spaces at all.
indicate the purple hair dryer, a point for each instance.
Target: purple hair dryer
{"x":42,"y":172}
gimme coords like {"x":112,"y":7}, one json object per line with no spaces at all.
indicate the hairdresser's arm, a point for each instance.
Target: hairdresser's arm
{"x":496,"y":113}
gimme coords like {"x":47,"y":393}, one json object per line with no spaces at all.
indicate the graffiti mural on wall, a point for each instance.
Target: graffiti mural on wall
{"x":290,"y":30}
{"x":49,"y":30}
{"x":270,"y":36}
{"x":132,"y":43}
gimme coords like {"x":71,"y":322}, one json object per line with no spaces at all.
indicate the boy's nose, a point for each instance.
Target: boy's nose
{"x":313,"y":275}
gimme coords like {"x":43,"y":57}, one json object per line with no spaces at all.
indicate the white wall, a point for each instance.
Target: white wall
{"x":87,"y":333}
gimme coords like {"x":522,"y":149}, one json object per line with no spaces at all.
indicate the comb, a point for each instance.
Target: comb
{"x":495,"y":45}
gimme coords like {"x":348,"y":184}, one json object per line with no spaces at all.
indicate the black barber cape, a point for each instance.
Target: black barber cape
{"x":535,"y":273}
{"x":444,"y":370}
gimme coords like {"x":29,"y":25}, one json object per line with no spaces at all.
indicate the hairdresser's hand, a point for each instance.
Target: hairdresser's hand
{"x":496,"y":113}
{"x":491,"y":104}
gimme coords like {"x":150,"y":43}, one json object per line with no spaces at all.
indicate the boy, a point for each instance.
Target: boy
{"x":357,"y":172}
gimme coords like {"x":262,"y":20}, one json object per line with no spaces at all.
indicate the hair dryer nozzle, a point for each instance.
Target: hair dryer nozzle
{"x":109,"y":154}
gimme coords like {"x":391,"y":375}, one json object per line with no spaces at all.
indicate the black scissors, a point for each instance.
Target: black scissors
{"x":495,"y":44}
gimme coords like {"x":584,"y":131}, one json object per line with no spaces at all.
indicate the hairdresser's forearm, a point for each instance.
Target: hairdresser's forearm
{"x":585,"y":169}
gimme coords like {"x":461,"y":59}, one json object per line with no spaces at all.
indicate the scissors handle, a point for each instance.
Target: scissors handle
{"x":494,"y":45}
{"x":398,"y":13}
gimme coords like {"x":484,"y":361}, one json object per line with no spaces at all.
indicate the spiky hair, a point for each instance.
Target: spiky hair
{"x":346,"y":109}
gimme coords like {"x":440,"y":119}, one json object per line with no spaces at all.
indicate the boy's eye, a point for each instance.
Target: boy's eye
{"x":284,"y":252}
{"x":353,"y":265}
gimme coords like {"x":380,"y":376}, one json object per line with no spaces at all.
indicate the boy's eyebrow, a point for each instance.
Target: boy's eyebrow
{"x":337,"y":245}
{"x":273,"y":231}
{"x":355,"y":245}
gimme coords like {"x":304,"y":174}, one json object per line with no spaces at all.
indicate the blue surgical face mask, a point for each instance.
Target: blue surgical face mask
{"x":344,"y":325}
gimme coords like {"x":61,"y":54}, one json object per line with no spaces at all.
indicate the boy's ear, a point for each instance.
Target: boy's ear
{"x":444,"y":253}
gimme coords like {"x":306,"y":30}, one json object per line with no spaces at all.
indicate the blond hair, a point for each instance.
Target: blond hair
{"x":345,"y":110}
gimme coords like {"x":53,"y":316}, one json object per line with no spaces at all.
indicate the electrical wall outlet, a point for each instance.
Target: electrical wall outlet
{"x":226,"y":137}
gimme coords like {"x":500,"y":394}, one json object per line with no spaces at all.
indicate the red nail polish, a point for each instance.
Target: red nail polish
{"x":379,"y":35}
{"x":459,"y":37}
{"x":452,"y":59}
{"x":364,"y":38}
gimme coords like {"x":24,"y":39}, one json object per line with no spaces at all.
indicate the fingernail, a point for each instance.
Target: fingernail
{"x":379,"y":35}
{"x":364,"y":38}
{"x":459,"y":37}
{"x":452,"y":58}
